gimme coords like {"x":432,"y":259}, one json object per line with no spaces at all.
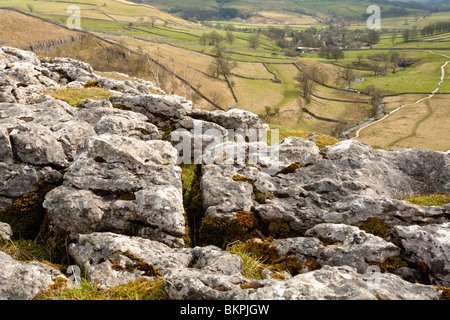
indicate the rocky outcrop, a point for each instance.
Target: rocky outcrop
{"x":210,"y":273}
{"x":345,"y":245}
{"x":428,"y":245}
{"x":5,"y":231}
{"x":107,"y":176}
{"x":348,"y":183}
{"x":123,"y":185}
{"x":25,"y":280}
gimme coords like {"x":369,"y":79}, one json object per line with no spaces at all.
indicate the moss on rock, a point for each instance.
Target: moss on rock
{"x":26,"y":214}
{"x":192,"y":202}
{"x":279,"y":230}
{"x":223,"y":231}
{"x":391,"y":264}
{"x":376,"y":227}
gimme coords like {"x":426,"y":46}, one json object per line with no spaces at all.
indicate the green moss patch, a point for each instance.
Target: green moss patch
{"x":24,"y":250}
{"x":391,"y":264}
{"x":223,"y":231}
{"x":445,"y":293}
{"x":137,"y":264}
{"x":192,"y":201}
{"x":376,"y":227}
{"x":26,"y":214}
{"x":279,"y":230}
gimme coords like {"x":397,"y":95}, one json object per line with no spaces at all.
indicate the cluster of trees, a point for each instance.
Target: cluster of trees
{"x":436,"y":28}
{"x":429,"y":30}
{"x":380,"y":62}
{"x":203,"y":14}
{"x":214,"y":38}
{"x":222,"y":65}
{"x":331,"y":53}
{"x":410,"y":34}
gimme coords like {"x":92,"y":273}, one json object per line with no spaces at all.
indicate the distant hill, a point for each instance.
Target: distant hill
{"x":353,"y":10}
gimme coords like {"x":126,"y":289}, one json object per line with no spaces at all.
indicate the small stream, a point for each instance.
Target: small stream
{"x":378,"y":113}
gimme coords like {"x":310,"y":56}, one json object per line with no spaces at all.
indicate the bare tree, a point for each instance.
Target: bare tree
{"x":377,"y":96}
{"x":230,"y":36}
{"x":203,"y":39}
{"x":153,"y":21}
{"x":393,"y":37}
{"x":349,"y":75}
{"x":254,"y":41}
{"x":221,"y":66}
{"x":306,"y":85}
{"x":406,"y":34}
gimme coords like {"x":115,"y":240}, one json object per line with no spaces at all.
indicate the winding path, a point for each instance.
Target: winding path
{"x":431,"y":95}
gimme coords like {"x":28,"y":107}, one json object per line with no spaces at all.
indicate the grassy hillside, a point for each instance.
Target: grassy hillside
{"x":13,"y":24}
{"x":263,"y":74}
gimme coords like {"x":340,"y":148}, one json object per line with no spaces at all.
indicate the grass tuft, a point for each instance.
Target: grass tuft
{"x":75,"y":96}
{"x":140,"y":289}
{"x":436,"y":199}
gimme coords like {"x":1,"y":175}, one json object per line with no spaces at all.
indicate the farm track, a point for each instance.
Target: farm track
{"x":431,"y":95}
{"x":416,"y":126}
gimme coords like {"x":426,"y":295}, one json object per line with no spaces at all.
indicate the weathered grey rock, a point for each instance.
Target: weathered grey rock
{"x":234,"y":119}
{"x":345,"y":183}
{"x":159,"y":109}
{"x":357,"y":208}
{"x":328,"y":283}
{"x":430,"y":245}
{"x":38,"y":145}
{"x":133,"y":153}
{"x":149,"y":85}
{"x":22,"y":78}
{"x":222,"y":200}
{"x":70,"y":70}
{"x":90,"y":104}
{"x":127,"y":127}
{"x":122,"y":185}
{"x":115,"y":259}
{"x":24,"y":280}
{"x":72,"y":135}
{"x":349,"y":246}
{"x":52,"y":123}
{"x":132,"y":87}
{"x":5,"y":231}
{"x":17,"y":179}
{"x":6,"y":154}
{"x":5,"y":202}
